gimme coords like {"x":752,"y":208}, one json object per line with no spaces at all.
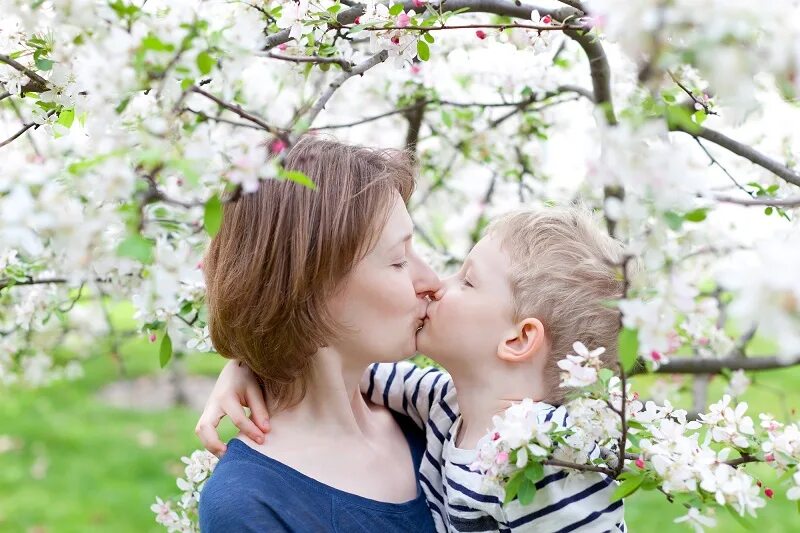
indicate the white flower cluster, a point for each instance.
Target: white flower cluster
{"x":580,"y":369}
{"x":180,"y":515}
{"x":521,"y":434}
{"x":733,"y":42}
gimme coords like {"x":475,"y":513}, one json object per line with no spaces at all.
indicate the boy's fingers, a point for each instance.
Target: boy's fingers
{"x":258,"y":408}
{"x":206,"y":431}
{"x":245,"y":425}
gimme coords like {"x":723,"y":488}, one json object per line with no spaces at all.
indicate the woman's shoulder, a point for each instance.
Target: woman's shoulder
{"x":249,"y":490}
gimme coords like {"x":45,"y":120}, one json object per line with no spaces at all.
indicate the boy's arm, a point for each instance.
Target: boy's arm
{"x":406,"y":388}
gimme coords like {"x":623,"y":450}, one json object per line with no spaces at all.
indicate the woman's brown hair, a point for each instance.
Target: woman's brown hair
{"x":283,"y":250}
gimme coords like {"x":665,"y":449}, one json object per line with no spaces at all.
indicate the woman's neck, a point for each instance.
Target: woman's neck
{"x":332,"y":403}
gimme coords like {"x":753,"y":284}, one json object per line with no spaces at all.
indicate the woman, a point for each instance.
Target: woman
{"x":307,"y":287}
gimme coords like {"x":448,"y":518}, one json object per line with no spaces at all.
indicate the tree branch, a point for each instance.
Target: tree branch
{"x":792,"y":201}
{"x":19,"y":133}
{"x":498,"y":7}
{"x":380,"y":57}
{"x":37,"y":83}
{"x":752,"y":155}
{"x":237,"y":109}
{"x":576,"y":466}
{"x":346,"y":65}
{"x":713,"y":365}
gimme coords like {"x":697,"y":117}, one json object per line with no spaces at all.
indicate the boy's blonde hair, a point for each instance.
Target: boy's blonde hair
{"x":563,"y":273}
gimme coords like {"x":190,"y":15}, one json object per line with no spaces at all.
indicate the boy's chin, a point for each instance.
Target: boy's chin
{"x":426,"y":346}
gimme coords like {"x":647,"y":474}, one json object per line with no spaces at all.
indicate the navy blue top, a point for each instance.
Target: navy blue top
{"x":250,"y":491}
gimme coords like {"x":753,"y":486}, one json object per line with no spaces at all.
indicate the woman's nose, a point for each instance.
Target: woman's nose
{"x":426,"y":282}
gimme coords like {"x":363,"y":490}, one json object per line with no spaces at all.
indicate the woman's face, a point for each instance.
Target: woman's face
{"x":384,"y":299}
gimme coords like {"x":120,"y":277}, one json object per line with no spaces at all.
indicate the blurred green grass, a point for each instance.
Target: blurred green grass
{"x":101,"y":467}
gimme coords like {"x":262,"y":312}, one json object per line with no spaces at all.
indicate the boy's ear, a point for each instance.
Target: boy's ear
{"x":523,"y":342}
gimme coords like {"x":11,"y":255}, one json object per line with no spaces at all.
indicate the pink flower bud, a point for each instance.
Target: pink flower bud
{"x":639,"y":462}
{"x":769,"y":457}
{"x":502,"y":458}
{"x":276,"y":146}
{"x":480,"y":34}
{"x":418,"y":3}
{"x":415,"y":69}
{"x":547,"y":19}
{"x":283,"y":46}
{"x":357,"y":20}
{"x":180,"y":182}
{"x":496,"y":435}
{"x":403,"y":20}
{"x":769,"y":493}
{"x":396,"y":40}
{"x":152,"y":337}
{"x":655,"y":356}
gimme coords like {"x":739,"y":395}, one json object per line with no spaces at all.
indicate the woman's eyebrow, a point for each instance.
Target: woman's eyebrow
{"x":406,"y":238}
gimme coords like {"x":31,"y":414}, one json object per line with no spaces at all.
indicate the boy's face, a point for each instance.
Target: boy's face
{"x":472,"y":312}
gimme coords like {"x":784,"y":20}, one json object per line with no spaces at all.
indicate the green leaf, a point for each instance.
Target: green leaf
{"x":165,"y":350}
{"x":66,"y":118}
{"x":300,"y":178}
{"x":212,"y":217}
{"x":151,"y":42}
{"x":396,"y":9}
{"x":740,"y":519}
{"x":447,"y":119}
{"x":527,"y":491}
{"x":674,"y":220}
{"x":205,"y":62}
{"x":513,"y":485}
{"x":627,"y":487}
{"x":137,"y":247}
{"x":768,"y":210}
{"x":423,"y":52}
{"x":428,"y":37}
{"x":534,"y":471}
{"x":697,"y":215}
{"x":699,"y":117}
{"x":679,"y":117}
{"x":43,"y":64}
{"x":628,"y":342}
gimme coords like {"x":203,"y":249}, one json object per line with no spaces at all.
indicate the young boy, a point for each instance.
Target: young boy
{"x":535,"y":284}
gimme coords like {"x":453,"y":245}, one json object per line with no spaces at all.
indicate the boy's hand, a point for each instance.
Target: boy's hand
{"x":236,"y":388}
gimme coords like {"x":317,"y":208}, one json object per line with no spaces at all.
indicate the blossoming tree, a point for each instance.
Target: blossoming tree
{"x":125,"y":126}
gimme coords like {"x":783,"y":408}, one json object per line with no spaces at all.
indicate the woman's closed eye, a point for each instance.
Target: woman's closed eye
{"x":465,"y":282}
{"x":401,"y":265}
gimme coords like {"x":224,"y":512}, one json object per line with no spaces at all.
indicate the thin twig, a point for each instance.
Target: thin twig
{"x":237,"y":109}
{"x":345,"y":64}
{"x":378,"y":58}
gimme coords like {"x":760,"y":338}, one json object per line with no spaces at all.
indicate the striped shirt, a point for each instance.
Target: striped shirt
{"x":458,"y":498}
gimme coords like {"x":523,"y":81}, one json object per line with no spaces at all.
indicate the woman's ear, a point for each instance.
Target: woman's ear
{"x":523,"y":342}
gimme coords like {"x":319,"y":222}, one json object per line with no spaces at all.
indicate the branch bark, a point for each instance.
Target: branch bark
{"x":712,"y":365}
{"x":743,"y":150}
{"x":242,"y":113}
{"x":37,"y":84}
